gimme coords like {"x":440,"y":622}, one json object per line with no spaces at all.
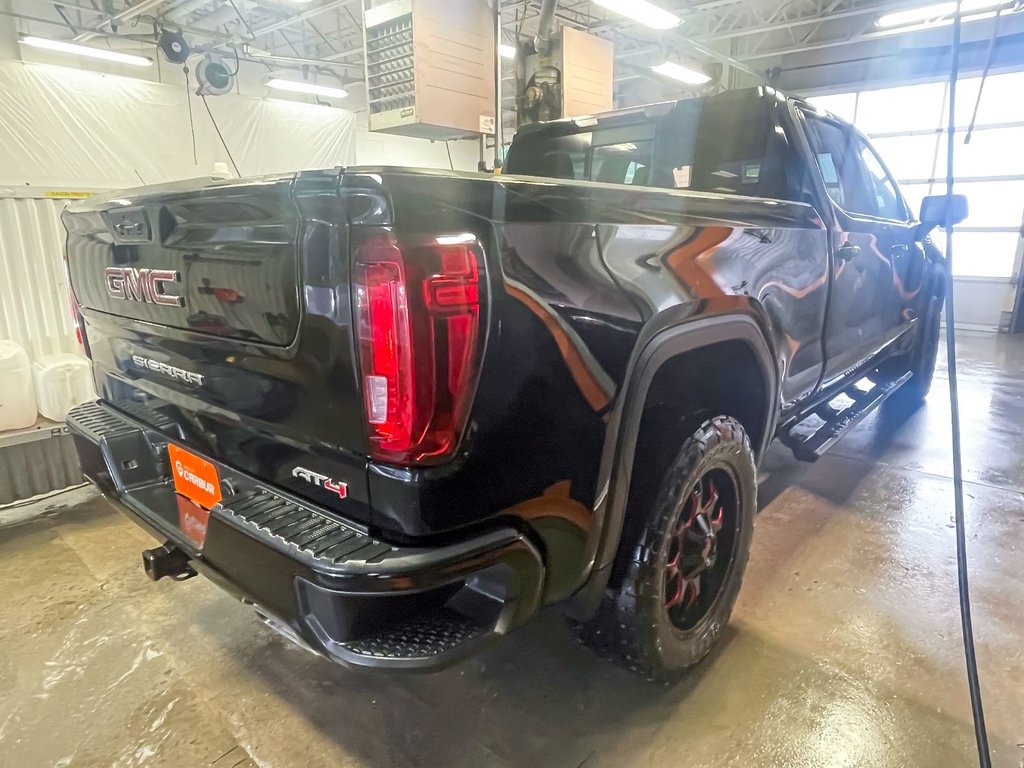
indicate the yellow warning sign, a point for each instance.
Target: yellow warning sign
{"x":68,"y":193}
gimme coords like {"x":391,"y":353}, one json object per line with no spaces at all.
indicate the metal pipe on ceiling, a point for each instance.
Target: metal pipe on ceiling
{"x":127,"y":14}
{"x":224,"y":15}
{"x":344,"y":54}
{"x":542,"y":41}
{"x":300,"y":17}
{"x":38,"y":20}
{"x":775,"y":27}
{"x":248,"y":54}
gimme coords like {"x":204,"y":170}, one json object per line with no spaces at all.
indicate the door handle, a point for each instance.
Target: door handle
{"x":899,"y":249}
{"x":847,"y":251}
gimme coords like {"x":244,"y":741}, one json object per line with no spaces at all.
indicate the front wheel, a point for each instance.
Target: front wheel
{"x":923,"y":357}
{"x":684,"y":571}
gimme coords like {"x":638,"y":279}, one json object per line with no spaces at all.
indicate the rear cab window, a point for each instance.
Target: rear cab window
{"x":728,"y":143}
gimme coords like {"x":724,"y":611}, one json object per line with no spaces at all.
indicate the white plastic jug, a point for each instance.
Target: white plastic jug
{"x":62,"y":381}
{"x":17,"y":400}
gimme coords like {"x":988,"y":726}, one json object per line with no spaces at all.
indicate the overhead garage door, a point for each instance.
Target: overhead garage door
{"x":907,"y":125}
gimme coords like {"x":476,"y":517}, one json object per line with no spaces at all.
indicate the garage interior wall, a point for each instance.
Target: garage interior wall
{"x":35,"y":310}
{"x":907,"y":125}
{"x":65,"y":129}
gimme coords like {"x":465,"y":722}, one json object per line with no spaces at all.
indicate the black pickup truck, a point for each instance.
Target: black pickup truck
{"x":399,"y":411}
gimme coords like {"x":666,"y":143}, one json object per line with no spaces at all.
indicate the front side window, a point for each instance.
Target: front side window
{"x":842,"y":170}
{"x":887,"y":197}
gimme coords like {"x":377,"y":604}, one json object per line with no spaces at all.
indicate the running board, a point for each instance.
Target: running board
{"x":809,"y":443}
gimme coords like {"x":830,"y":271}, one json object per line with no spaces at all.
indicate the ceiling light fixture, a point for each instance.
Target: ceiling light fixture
{"x":86,"y":50}
{"x":299,"y":86}
{"x":507,"y":51}
{"x":937,"y":12}
{"x":935,"y":24}
{"x":681,"y":73}
{"x":642,"y":12}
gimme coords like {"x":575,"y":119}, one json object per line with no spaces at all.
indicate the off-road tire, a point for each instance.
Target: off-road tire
{"x":633,"y":625}
{"x":921,"y":361}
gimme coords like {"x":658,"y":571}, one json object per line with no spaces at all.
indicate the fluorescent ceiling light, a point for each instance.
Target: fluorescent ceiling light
{"x":86,"y":50}
{"x":507,"y":51}
{"x":681,"y":73}
{"x":936,"y":11}
{"x":300,"y":86}
{"x":934,"y":24}
{"x":642,"y":12}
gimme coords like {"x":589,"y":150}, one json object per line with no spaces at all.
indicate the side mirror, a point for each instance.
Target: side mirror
{"x":942,"y":211}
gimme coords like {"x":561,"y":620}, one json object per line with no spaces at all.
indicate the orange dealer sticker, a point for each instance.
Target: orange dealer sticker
{"x":194,"y":478}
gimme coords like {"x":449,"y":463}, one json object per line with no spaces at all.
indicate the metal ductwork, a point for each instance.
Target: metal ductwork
{"x":542,"y":42}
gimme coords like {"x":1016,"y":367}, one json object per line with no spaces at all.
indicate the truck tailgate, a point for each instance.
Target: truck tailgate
{"x":220,"y":314}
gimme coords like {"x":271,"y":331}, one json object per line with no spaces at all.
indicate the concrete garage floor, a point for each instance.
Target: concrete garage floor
{"x":844,"y":649}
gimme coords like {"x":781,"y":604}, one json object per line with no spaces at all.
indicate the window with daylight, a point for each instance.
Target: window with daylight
{"x":906,"y":125}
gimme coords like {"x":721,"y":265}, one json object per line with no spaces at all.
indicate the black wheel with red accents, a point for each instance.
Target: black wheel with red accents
{"x":701,"y":545}
{"x":686,"y":566}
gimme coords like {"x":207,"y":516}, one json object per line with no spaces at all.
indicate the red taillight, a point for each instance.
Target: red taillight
{"x":418,"y":320}
{"x":76,"y":320}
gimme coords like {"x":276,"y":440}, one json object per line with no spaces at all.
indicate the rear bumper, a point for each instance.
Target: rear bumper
{"x":323,"y":581}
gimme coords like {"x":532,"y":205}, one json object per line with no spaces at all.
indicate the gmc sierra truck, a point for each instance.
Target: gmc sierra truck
{"x":398,"y":411}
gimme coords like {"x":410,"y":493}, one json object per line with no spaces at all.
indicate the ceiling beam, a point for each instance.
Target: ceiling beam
{"x":300,"y":17}
{"x":129,"y":13}
{"x":761,"y":29}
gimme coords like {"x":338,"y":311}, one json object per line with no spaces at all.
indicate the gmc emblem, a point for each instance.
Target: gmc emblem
{"x":146,"y":285}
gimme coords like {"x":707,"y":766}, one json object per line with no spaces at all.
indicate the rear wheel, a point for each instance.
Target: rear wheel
{"x":684,"y":570}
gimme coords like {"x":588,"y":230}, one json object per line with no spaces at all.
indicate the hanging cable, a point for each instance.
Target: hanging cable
{"x":977,"y":710}
{"x":191,"y":120}
{"x":221,"y":137}
{"x":984,"y":74}
{"x":238,"y":63}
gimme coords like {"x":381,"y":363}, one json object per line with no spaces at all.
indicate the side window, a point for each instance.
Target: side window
{"x":887,"y":198}
{"x":846,"y":178}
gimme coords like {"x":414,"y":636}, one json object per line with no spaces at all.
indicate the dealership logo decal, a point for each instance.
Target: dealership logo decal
{"x":193,"y":479}
{"x":189,"y":377}
{"x":150,"y":286}
{"x":321,"y":481}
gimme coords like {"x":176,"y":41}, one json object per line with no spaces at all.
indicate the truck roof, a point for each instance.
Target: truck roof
{"x":646,"y":111}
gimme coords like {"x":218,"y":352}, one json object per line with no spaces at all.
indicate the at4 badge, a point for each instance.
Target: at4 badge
{"x":321,"y":481}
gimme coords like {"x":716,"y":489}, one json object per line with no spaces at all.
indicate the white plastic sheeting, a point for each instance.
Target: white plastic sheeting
{"x":34,"y":307}
{"x":66,"y":127}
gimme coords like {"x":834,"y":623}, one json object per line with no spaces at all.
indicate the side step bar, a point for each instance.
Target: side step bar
{"x":809,"y":444}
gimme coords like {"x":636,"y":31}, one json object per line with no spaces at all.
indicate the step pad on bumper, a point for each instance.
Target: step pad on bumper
{"x":434,"y":634}
{"x":317,"y":535}
{"x":97,"y":422}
